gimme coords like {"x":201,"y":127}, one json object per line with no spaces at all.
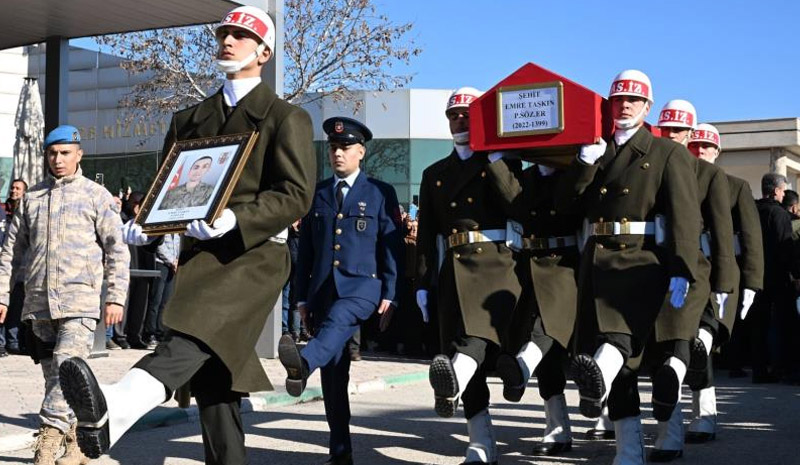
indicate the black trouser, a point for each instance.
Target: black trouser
{"x":182,"y":358}
{"x":712,"y":325}
{"x":135,"y":311}
{"x":623,"y":400}
{"x":550,"y":371}
{"x":476,"y":395}
{"x":160,"y":291}
{"x":758,"y":325}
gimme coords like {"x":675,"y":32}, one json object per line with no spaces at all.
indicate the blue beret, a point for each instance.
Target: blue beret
{"x":346,"y":130}
{"x":64,"y":134}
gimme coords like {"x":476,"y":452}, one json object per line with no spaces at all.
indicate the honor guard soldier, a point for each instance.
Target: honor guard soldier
{"x":66,"y":234}
{"x":231,"y":271}
{"x":715,"y":279}
{"x":716,"y":329}
{"x":461,"y":242}
{"x":547,"y":267}
{"x":350,"y":243}
{"x":639,"y":197}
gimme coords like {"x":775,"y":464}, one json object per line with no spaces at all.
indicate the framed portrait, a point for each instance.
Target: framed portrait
{"x":194,"y":182}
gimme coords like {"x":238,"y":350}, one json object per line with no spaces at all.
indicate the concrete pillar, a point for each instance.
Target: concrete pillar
{"x":56,"y":91}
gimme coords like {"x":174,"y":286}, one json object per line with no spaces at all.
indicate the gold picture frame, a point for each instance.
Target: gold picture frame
{"x":195,"y":182}
{"x":559,"y":102}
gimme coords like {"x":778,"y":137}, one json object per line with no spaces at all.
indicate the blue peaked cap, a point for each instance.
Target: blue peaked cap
{"x":64,"y":134}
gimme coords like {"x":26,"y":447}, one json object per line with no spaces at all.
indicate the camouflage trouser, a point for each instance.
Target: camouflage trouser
{"x":73,"y":337}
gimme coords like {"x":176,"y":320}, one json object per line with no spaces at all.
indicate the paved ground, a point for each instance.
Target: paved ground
{"x":397,"y":426}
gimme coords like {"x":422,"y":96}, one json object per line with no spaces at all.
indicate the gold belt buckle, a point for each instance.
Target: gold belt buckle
{"x":461,"y":238}
{"x":605,"y":228}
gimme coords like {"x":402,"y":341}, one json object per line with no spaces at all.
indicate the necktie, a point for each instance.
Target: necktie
{"x":340,"y":193}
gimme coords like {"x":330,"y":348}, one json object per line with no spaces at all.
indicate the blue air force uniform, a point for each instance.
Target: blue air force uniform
{"x":347,"y":265}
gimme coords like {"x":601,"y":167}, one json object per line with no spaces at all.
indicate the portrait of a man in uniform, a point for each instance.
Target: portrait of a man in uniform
{"x":194,"y":192}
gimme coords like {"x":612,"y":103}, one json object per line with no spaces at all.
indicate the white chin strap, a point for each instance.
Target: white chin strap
{"x":461,"y":138}
{"x":233,"y":66}
{"x":631,"y":123}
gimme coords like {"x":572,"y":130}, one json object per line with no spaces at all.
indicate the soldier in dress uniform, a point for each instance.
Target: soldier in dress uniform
{"x":194,"y":192}
{"x":628,"y":264}
{"x":547,"y":267}
{"x":231,"y":271}
{"x":461,"y":242}
{"x":715,"y":279}
{"x":350,"y":245}
{"x":716,"y":329}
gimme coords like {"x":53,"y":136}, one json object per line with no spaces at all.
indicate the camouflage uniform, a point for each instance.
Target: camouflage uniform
{"x":182,"y":197}
{"x":66,"y":228}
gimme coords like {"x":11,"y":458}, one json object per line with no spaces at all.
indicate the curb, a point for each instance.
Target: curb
{"x":257,"y":402}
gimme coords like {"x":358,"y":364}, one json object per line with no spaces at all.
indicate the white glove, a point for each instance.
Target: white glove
{"x":422,"y":302}
{"x":199,"y":229}
{"x":747,"y":300}
{"x":545,"y":170}
{"x":494,"y":156}
{"x":591,"y":153}
{"x":721,"y":297}
{"x":132,"y":234}
{"x":679,"y":288}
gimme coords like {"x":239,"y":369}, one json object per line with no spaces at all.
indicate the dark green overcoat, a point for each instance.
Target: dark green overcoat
{"x":548,"y":277}
{"x":226,"y":287}
{"x":719,"y":274}
{"x":750,"y":258}
{"x":624,"y":278}
{"x":477,"y":285}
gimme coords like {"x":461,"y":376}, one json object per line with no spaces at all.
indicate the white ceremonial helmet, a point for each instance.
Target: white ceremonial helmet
{"x":678,"y":114}
{"x":705,"y":133}
{"x":462,"y":97}
{"x":252,"y":19}
{"x":632,"y":82}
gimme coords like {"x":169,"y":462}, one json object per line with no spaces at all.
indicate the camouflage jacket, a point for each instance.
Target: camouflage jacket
{"x":70,"y":229}
{"x":182,"y":197}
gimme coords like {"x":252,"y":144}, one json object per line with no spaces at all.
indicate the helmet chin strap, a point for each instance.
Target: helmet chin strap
{"x":630,"y":123}
{"x":233,"y":66}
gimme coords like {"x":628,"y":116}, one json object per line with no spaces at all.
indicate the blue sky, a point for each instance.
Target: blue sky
{"x":733,"y":60}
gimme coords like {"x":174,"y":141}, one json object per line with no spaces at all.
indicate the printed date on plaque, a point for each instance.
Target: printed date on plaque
{"x":530,"y":109}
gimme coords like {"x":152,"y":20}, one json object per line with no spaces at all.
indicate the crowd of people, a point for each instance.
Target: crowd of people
{"x":638,"y":257}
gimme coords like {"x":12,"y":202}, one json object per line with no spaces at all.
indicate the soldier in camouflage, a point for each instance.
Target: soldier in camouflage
{"x":194,"y":192}
{"x":65,"y":212}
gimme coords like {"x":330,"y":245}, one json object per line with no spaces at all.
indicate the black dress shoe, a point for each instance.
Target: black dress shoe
{"x":137,"y":344}
{"x":84,"y":397}
{"x":551,"y":448}
{"x":698,"y":437}
{"x":508,"y":369}
{"x":698,"y":363}
{"x":479,"y":463}
{"x":3,"y":352}
{"x":587,"y":376}
{"x":344,"y":459}
{"x":443,"y":380}
{"x":659,"y":455}
{"x":599,"y":434}
{"x":296,"y":367}
{"x":665,"y":392}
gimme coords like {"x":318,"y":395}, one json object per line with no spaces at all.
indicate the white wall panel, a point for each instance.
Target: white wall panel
{"x":387,"y":114}
{"x":427,"y":114}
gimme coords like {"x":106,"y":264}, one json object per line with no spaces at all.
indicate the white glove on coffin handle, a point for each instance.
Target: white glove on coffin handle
{"x":591,"y":153}
{"x":199,"y":229}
